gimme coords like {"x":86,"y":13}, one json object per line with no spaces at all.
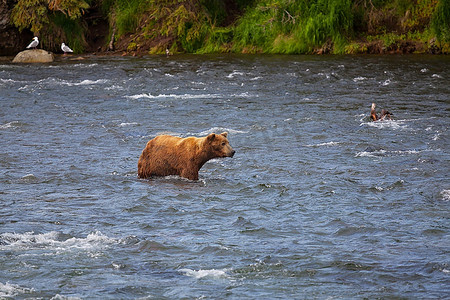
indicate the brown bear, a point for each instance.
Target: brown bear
{"x":170,"y":155}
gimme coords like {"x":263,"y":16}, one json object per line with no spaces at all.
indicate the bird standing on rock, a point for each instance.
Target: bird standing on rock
{"x":65,"y":48}
{"x":34,"y":43}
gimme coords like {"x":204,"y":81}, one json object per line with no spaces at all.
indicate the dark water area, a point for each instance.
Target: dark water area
{"x":317,"y":202}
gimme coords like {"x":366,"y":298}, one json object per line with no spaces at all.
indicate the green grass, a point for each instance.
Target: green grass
{"x":262,"y":26}
{"x":295,"y":26}
{"x":127,"y":15}
{"x":440,"y":22}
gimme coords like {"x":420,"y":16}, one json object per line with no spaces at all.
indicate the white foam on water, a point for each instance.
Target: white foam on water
{"x":244,"y":95}
{"x":371,"y":153}
{"x":92,"y":241}
{"x":362,"y":118}
{"x":391,"y":124}
{"x":139,"y":96}
{"x":85,"y":82}
{"x":445,"y":194}
{"x":234,"y":73}
{"x":361,"y":78}
{"x":23,"y":88}
{"x":327,"y":76}
{"x":9,"y":125}
{"x":213,"y":273}
{"x":9,"y":80}
{"x":22,"y":240}
{"x":219,"y":130}
{"x":383,"y":152}
{"x":324,"y":144}
{"x":87,"y":66}
{"x":57,"y":81}
{"x":50,"y":241}
{"x":386,"y":82}
{"x":436,"y":136}
{"x":29,"y":176}
{"x":403,"y":152}
{"x":7,"y":66}
{"x":115,"y":87}
{"x":127,"y":124}
{"x":174,"y":96}
{"x":395,"y":124}
{"x":436,"y":76}
{"x":198,"y":83}
{"x":424,"y":70}
{"x":62,"y":297}
{"x":8,"y":290}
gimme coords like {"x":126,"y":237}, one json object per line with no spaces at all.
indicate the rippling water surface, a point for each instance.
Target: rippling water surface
{"x":318,"y":202}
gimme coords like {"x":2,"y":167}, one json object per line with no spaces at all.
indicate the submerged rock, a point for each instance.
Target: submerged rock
{"x":34,"y":56}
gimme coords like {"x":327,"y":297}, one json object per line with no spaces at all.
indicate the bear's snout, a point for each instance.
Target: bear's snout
{"x":232,"y":153}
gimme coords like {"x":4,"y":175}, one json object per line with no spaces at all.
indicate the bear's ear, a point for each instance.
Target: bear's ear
{"x":211,"y":137}
{"x":225,"y":134}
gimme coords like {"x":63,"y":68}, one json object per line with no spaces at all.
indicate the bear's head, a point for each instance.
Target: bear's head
{"x":219,"y":146}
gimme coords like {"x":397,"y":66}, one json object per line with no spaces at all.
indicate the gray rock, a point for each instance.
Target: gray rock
{"x":34,"y":56}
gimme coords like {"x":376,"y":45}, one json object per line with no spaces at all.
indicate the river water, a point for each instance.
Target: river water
{"x":318,"y":202}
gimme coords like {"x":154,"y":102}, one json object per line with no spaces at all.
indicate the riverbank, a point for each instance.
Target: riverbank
{"x":286,"y":27}
{"x":232,"y":26}
{"x":385,"y":44}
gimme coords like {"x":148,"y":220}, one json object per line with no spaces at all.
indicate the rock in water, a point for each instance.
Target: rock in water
{"x":34,"y":56}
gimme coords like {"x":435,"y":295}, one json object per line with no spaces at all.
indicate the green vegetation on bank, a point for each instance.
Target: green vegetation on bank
{"x":246,"y":26}
{"x":54,"y":21}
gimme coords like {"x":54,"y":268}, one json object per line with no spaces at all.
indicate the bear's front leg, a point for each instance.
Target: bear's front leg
{"x":190,"y":174}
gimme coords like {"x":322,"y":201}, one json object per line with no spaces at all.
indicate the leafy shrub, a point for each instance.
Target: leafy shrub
{"x":295,"y":26}
{"x":127,"y":15}
{"x":54,"y":21}
{"x":440,"y":22}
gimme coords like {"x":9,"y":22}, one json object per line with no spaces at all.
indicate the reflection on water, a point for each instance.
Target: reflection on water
{"x":318,"y":202}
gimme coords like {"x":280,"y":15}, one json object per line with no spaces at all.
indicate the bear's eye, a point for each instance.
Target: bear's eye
{"x":223,"y":144}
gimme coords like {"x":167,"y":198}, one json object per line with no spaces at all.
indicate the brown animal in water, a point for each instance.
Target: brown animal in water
{"x":385,"y":115}
{"x":170,"y":155}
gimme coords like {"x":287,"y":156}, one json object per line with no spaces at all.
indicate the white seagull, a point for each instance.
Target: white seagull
{"x":34,"y":43}
{"x":65,"y":48}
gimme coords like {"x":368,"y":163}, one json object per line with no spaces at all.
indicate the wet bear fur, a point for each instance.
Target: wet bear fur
{"x":170,"y":155}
